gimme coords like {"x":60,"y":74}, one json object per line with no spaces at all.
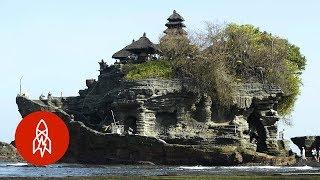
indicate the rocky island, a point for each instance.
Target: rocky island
{"x":128,"y":116}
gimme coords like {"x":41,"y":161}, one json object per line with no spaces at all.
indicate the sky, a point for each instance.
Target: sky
{"x":56,"y":45}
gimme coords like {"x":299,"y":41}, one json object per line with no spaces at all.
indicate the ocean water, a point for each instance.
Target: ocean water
{"x":62,"y":170}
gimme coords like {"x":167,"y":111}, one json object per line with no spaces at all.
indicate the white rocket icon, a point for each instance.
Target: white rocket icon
{"x":41,"y":142}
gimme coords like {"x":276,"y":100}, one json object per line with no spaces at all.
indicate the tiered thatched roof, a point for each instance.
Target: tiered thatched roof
{"x":122,"y":54}
{"x":142,"y":45}
{"x":175,"y":24}
{"x":175,"y":17}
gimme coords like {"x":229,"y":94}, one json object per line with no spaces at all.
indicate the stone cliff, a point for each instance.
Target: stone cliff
{"x":165,"y":121}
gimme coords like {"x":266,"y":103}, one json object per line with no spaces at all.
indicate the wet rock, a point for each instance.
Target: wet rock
{"x":251,"y":157}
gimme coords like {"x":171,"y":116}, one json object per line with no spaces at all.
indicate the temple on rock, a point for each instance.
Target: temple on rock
{"x":163,"y":120}
{"x":137,"y":52}
{"x":143,"y":49}
{"x":124,"y":55}
{"x":175,"y":25}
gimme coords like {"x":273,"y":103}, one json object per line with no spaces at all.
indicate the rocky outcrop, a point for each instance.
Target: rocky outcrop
{"x":283,"y":147}
{"x":9,"y":153}
{"x":308,"y":142}
{"x":255,"y":158}
{"x":91,"y":146}
{"x":95,"y":147}
{"x":100,"y":148}
{"x":258,"y":102}
{"x":165,"y":121}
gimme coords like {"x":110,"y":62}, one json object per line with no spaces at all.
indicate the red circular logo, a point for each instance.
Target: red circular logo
{"x":42,"y":138}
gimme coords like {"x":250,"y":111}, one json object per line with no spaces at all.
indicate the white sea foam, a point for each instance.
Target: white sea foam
{"x":301,"y":167}
{"x":18,"y":164}
{"x":248,"y":167}
{"x":195,"y":167}
{"x":251,"y":167}
{"x":270,"y":167}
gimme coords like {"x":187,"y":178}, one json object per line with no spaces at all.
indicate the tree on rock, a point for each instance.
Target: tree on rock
{"x":222,"y":56}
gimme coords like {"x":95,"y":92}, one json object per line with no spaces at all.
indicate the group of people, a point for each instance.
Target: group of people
{"x":315,"y":154}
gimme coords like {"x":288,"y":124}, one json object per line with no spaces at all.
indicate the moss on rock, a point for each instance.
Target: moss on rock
{"x":151,"y":69}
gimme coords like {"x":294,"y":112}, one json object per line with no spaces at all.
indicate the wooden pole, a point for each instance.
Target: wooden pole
{"x":113,"y":117}
{"x":20,"y":85}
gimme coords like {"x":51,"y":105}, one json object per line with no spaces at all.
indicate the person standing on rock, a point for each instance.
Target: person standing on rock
{"x":303,"y":154}
{"x":314,"y":154}
{"x":281,"y":135}
{"x":318,"y":154}
{"x":71,"y":117}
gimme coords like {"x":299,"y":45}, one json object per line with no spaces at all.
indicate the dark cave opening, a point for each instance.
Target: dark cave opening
{"x":94,"y":118}
{"x":257,"y":132}
{"x":165,"y":120}
{"x":130,"y":124}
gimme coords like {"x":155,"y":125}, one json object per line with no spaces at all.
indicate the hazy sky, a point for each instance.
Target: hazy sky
{"x":55,"y":45}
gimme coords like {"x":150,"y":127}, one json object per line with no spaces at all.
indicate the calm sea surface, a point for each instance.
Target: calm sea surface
{"x":61,"y":170}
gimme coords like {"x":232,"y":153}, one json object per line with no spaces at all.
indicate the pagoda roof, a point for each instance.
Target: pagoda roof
{"x":175,"y":17}
{"x":175,"y":23}
{"x":175,"y":31}
{"x":123,"y":53}
{"x":142,"y":44}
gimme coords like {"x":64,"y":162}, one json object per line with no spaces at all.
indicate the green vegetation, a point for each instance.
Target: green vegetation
{"x":151,"y":69}
{"x":223,"y":56}
{"x":278,"y":61}
{"x":175,"y":47}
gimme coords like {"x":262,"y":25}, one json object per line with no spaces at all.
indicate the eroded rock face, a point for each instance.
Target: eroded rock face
{"x":95,"y":147}
{"x":172,"y":122}
{"x":308,"y":142}
{"x":258,"y":102}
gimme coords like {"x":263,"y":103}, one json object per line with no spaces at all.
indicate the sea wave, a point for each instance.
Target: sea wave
{"x":302,"y":168}
{"x":196,"y":167}
{"x":249,"y":167}
{"x":18,"y":164}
